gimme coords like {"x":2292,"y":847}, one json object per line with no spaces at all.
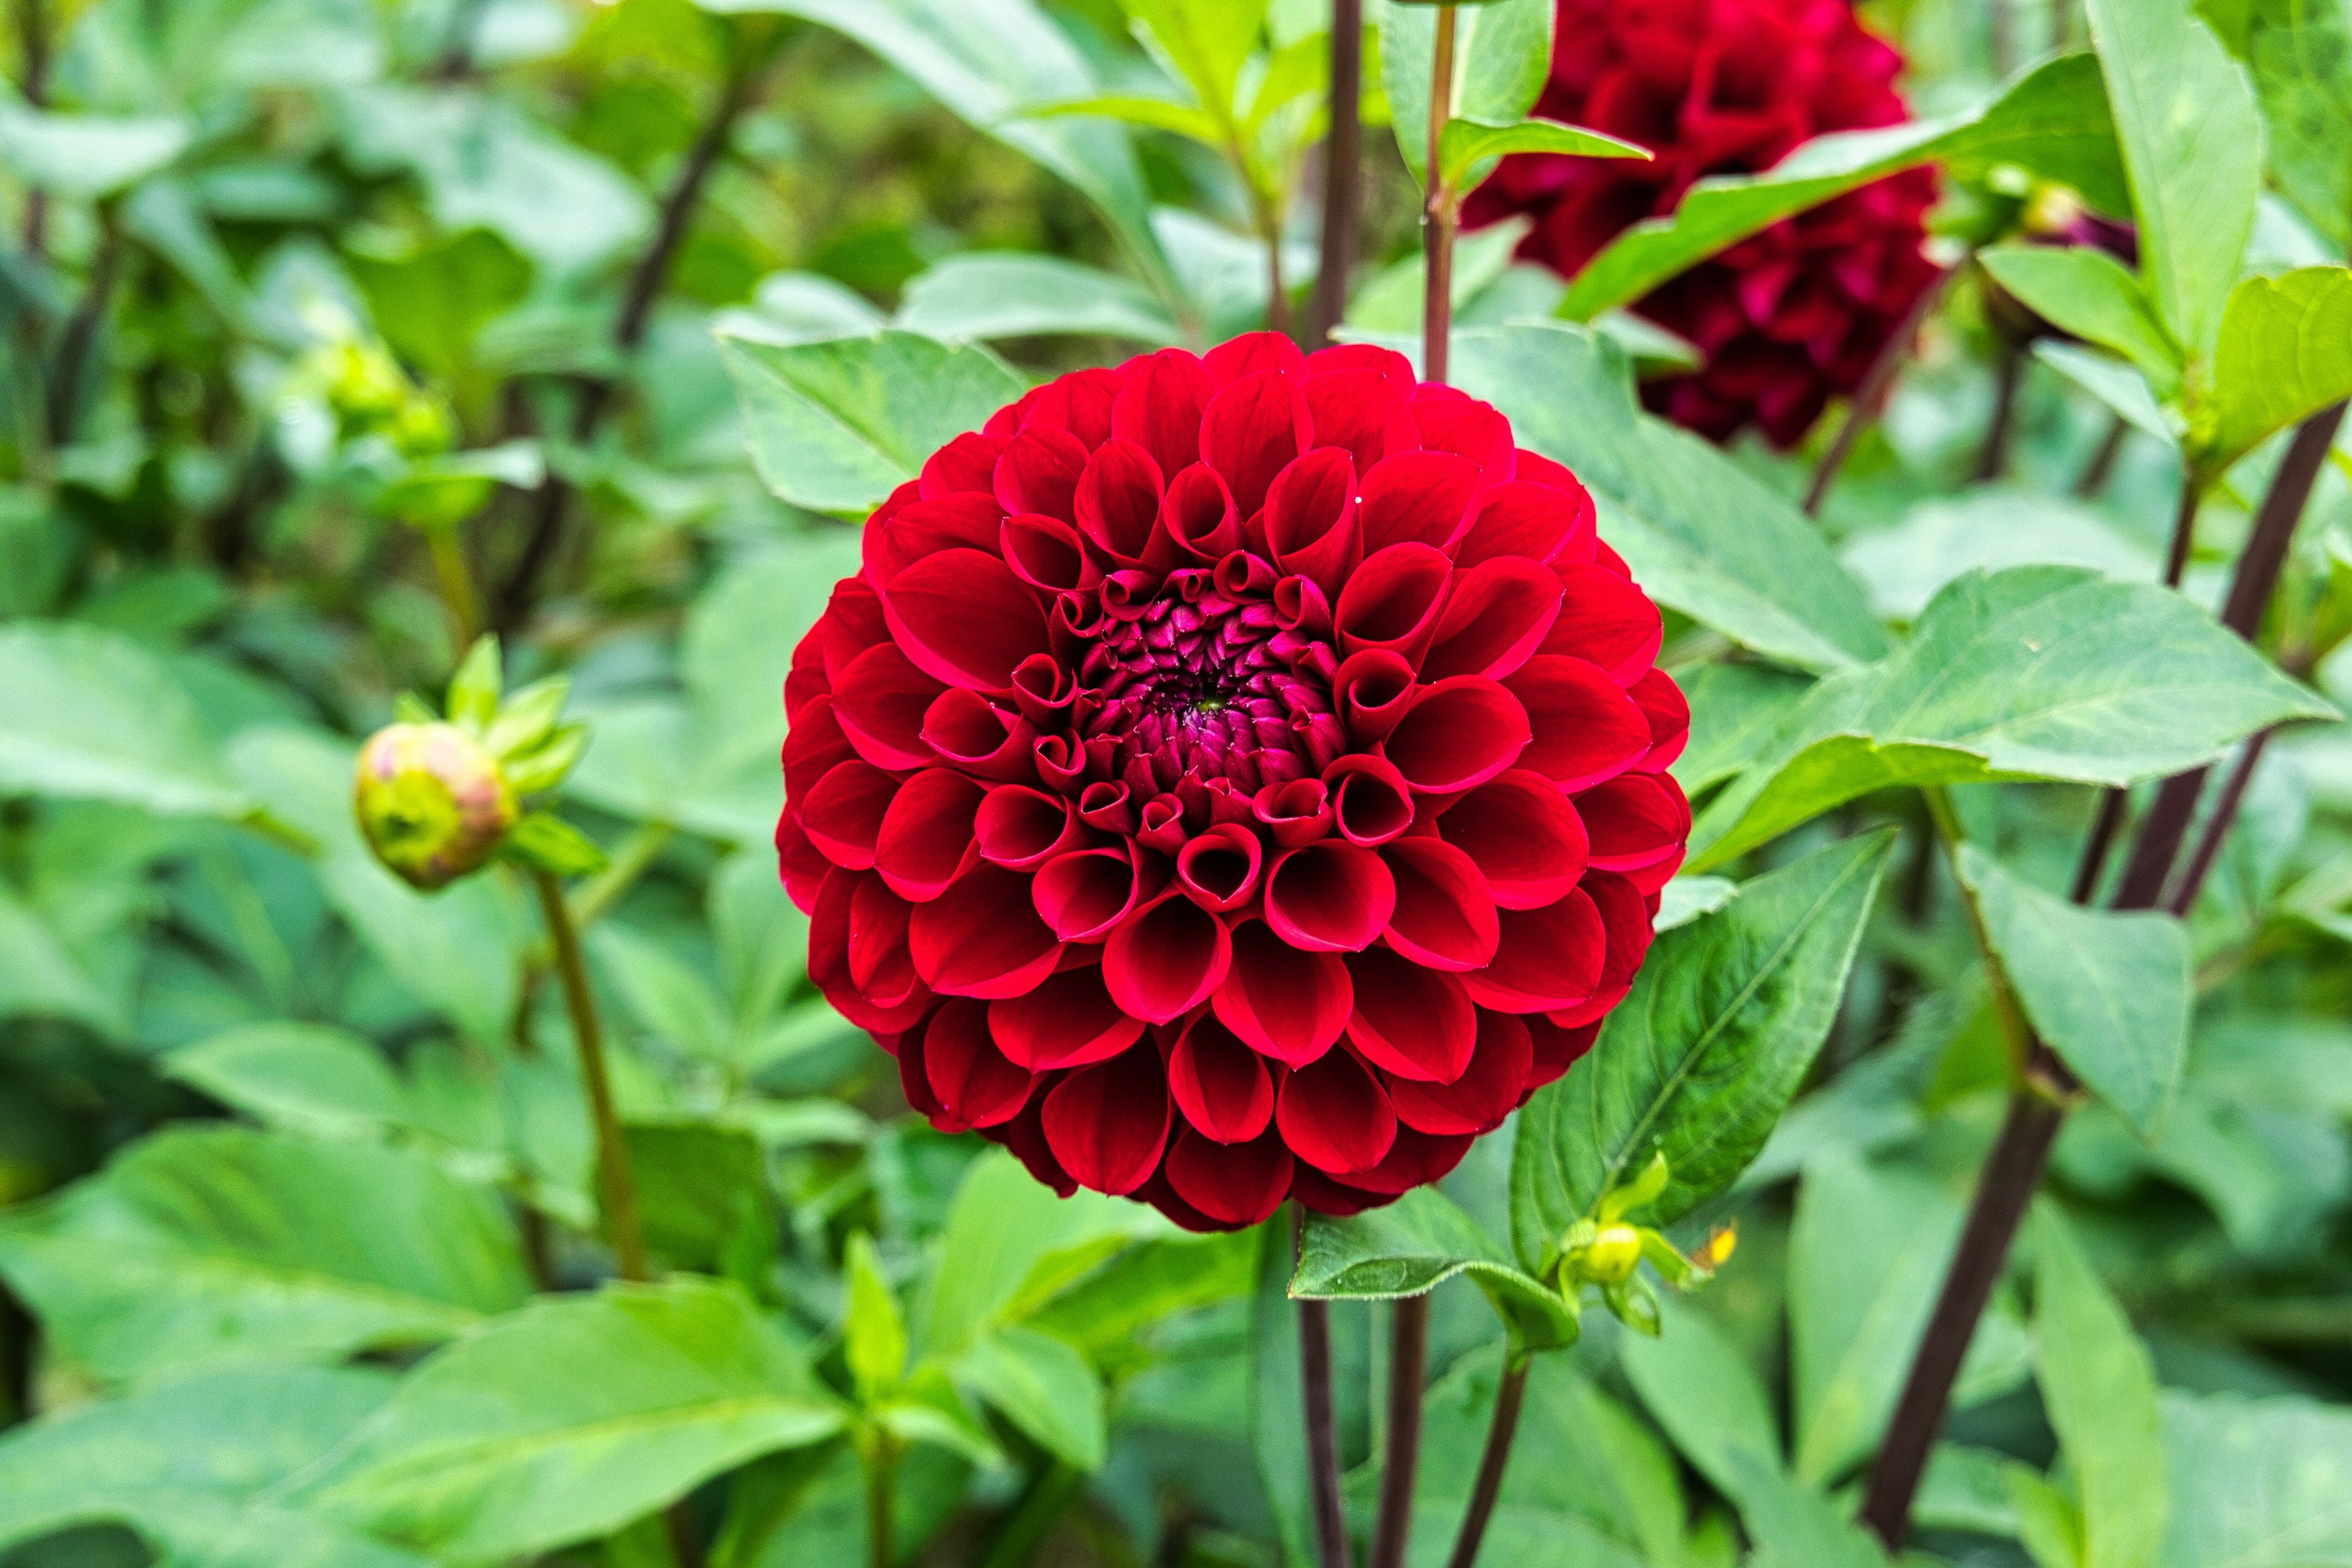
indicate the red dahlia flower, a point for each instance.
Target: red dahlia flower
{"x":1730,"y":87}
{"x":1232,"y":778}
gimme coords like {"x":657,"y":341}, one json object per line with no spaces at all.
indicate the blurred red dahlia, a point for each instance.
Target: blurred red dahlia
{"x":1232,"y":778}
{"x":1788,"y":316}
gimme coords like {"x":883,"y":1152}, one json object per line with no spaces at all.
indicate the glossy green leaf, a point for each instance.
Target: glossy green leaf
{"x":1043,"y":1385}
{"x":2038,"y":672}
{"x":1698,"y":1063}
{"x":2052,"y":120}
{"x":988,"y":295}
{"x":2090,"y":294}
{"x":1110,"y":1312}
{"x":303,"y":1077}
{"x":1501,"y":53}
{"x":1701,"y":535}
{"x":1149,"y":113}
{"x":211,"y":1245}
{"x":2108,"y":992}
{"x":1417,"y":1244}
{"x":39,"y":978}
{"x":1736,"y":707}
{"x":2300,"y":57}
{"x":1992,"y":529}
{"x":191,"y":1467}
{"x":2191,"y":139}
{"x":1793,"y":1525}
{"x":84,"y":156}
{"x":1466,"y":142}
{"x":1208,"y":41}
{"x":2122,"y":388}
{"x":873,"y":1331}
{"x":837,"y":426}
{"x":567,"y":1420}
{"x":1696,"y":1383}
{"x":2257,"y":1483}
{"x":2285,"y":353}
{"x":2099,"y":1388}
{"x":431,"y":303}
{"x":702,"y":1190}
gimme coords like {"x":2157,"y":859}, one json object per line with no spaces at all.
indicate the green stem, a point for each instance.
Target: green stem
{"x":880,"y":1453}
{"x":1042,"y":1505}
{"x":457,"y":583}
{"x":620,"y":1188}
{"x":637,"y":854}
{"x":1440,"y":211}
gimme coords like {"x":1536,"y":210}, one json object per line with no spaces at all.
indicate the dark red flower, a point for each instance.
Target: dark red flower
{"x":1232,"y":778}
{"x":1788,"y":316}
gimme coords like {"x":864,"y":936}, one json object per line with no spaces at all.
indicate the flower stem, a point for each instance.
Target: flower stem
{"x":1408,"y":1366}
{"x":1342,"y":172}
{"x":2102,"y":465}
{"x":619,"y":1185}
{"x":1440,"y":211}
{"x":1508,"y":1396}
{"x":2038,"y":1108}
{"x":880,"y":1454}
{"x":1870,"y":397}
{"x":1322,"y":1426}
{"x":2007,"y":377}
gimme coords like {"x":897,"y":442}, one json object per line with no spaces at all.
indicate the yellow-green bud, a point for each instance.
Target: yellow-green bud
{"x":1611,"y":1254}
{"x":432,"y":802}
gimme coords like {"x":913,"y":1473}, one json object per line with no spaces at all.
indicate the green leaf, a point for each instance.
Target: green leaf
{"x":1793,"y":1526}
{"x":1151,"y":113}
{"x":1501,"y":53}
{"x":222,"y":1243}
{"x":874,"y":1333}
{"x":1701,"y":536}
{"x":303,"y":1077}
{"x":836,"y":426}
{"x":82,"y":157}
{"x":2285,"y":353}
{"x":2099,"y":1389}
{"x":1699,"y":1061}
{"x":988,"y":295}
{"x":2122,"y":388}
{"x":39,"y":978}
{"x":2191,"y":139}
{"x":1695,"y":1383}
{"x":662,"y":991}
{"x":2108,"y":992}
{"x":985,"y":61}
{"x":2301,"y":56}
{"x":703,"y":1189}
{"x":1466,"y":142}
{"x":1109,"y":1313}
{"x":2042,"y":672}
{"x":1277,"y":1437}
{"x":190,"y":1466}
{"x":1044,"y":1386}
{"x":2091,"y":295}
{"x":1867,"y":1253}
{"x":1208,"y":41}
{"x":431,"y":303}
{"x":569,"y":1419}
{"x":1417,"y":1244}
{"x":1736,"y":707}
{"x":545,"y":842}
{"x":2052,"y":121}
{"x":93,"y":715}
{"x":2257,"y":1483}
{"x":1990,"y":528}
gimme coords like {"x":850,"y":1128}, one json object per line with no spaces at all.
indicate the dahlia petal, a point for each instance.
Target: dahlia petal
{"x":1389,"y":365}
{"x":1329,"y":1195}
{"x":851,"y":624}
{"x":1371,"y":803}
{"x":1117,"y":502}
{"x":1547,"y":958}
{"x":969,"y":1075}
{"x":880,"y":705}
{"x":1328,"y":897}
{"x":1634,"y":820}
{"x":1446,"y":916}
{"x":1453,"y":421}
{"x":1068,"y":1020}
{"x":1235,"y":1185}
{"x":1251,"y":354}
{"x":1280,"y":1001}
{"x":926,"y":840}
{"x":962,"y":617}
{"x":1160,"y":405}
{"x":1039,"y":472}
{"x":1372,"y":691}
{"x":915,"y":1080}
{"x":1605,"y":619}
{"x":1309,"y":520}
{"x":880,"y":967}
{"x":1586,"y":728}
{"x":1393,"y":600}
{"x":1415,"y":1160}
{"x":1083,"y":894}
{"x":1556,"y":1050}
{"x":965,"y":464}
{"x":1025,"y":1135}
{"x":1108,"y":1123}
{"x":1043,"y":551}
{"x":1080,"y":403}
{"x":837,"y":924}
{"x":974,"y":734}
{"x":1334,"y":1115}
{"x":1414,"y":1022}
{"x":799,"y":863}
{"x":1021,"y":828}
{"x":1219,"y":869}
{"x":1165,"y":959}
{"x":1043,"y":690}
{"x":842,"y":814}
{"x":1524,"y":836}
{"x":1662,"y":703}
{"x":1537,"y":521}
{"x":1361,"y":413}
{"x":1418,"y":498}
{"x":813,"y":747}
{"x":1197,"y":516}
{"x":926,"y":528}
{"x":1487,"y":1091}
{"x":1219,"y":1083}
{"x":983,"y":937}
{"x":1249,"y":430}
{"x":1497,"y":613}
{"x":1457,"y":733}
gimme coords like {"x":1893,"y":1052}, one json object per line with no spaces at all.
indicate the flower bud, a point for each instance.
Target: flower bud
{"x":1610,"y":1257}
{"x":432,"y":802}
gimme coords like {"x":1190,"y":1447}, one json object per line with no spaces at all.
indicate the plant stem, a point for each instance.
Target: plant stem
{"x":2184,"y":531}
{"x":77,"y":346}
{"x":1042,"y":1504}
{"x":1994,"y":458}
{"x":2102,"y":465}
{"x":1870,"y":398}
{"x":1408,"y":1367}
{"x":1342,"y":172}
{"x":637,"y":852}
{"x":1440,"y":212}
{"x":33,"y":41}
{"x":880,"y":1453}
{"x":1278,"y":292}
{"x":2038,"y":1108}
{"x":1508,"y":1397}
{"x":457,"y":583}
{"x":619,"y":1185}
{"x":2192,"y":876}
{"x":553,"y":499}
{"x":1322,"y":1426}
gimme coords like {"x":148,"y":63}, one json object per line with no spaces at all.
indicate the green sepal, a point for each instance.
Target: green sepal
{"x":545,"y":842}
{"x":411,"y":708}
{"x":545,"y":765}
{"x":475,"y":689}
{"x":525,"y":719}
